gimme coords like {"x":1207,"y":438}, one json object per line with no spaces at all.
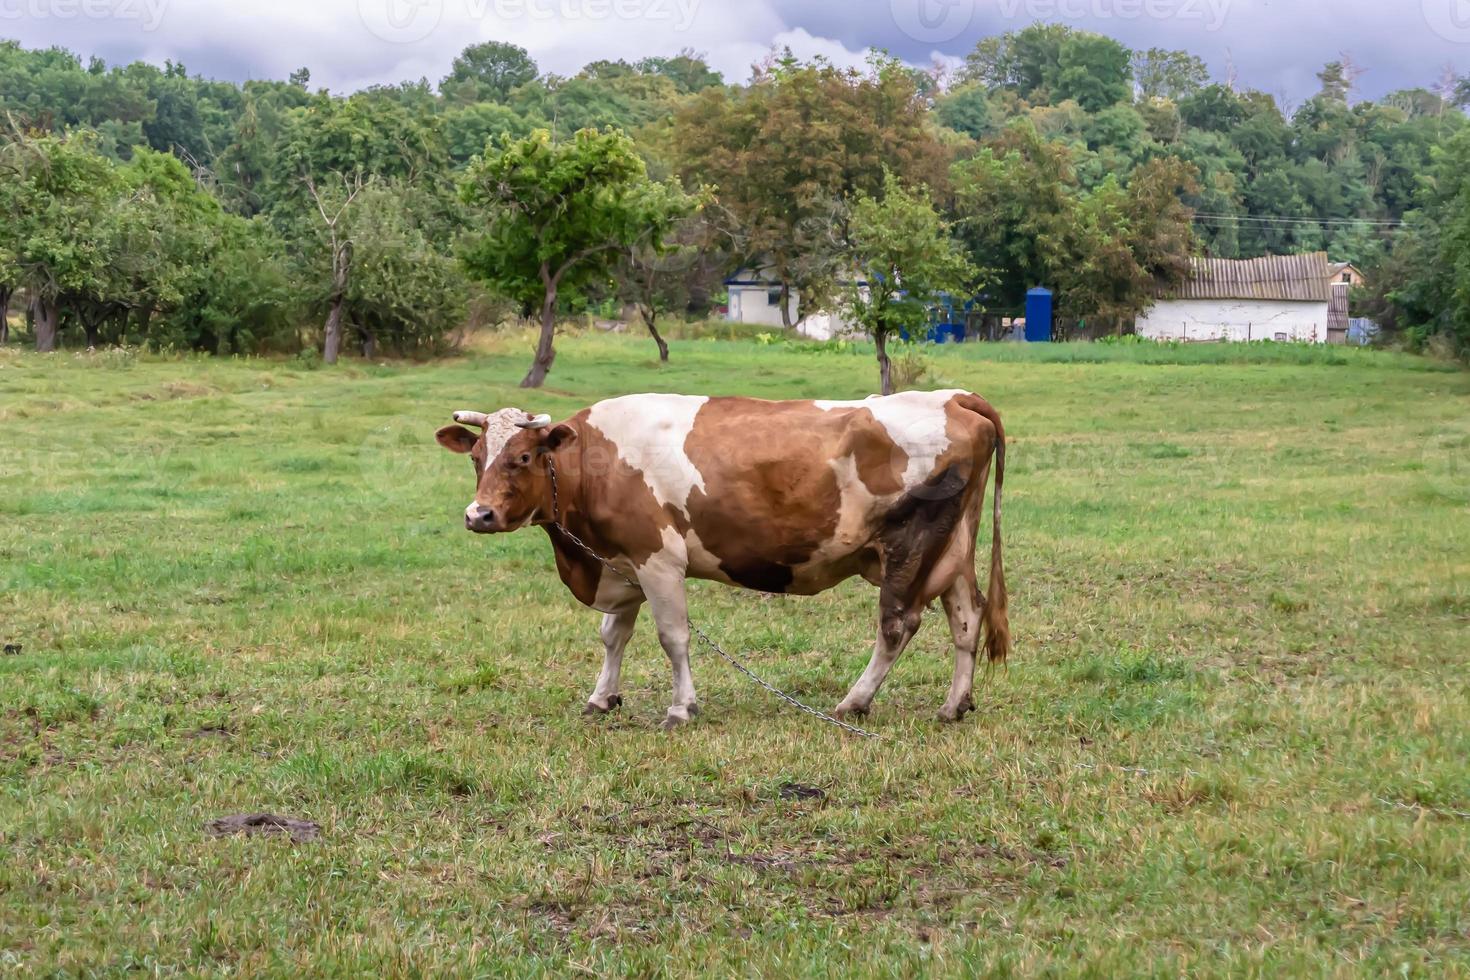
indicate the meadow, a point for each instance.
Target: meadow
{"x":1234,"y":737}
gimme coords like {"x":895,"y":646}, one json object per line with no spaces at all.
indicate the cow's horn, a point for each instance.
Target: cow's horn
{"x":535,"y":422}
{"x":471,"y":418}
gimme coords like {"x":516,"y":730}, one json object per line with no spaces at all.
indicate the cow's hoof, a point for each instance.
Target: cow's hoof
{"x":679,"y":714}
{"x":845,"y":711}
{"x":957,"y":713}
{"x":593,"y":708}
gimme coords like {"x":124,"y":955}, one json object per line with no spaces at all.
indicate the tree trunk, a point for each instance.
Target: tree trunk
{"x":341,"y":263}
{"x":885,"y":368}
{"x":333,"y":342}
{"x":5,"y":293}
{"x":648,"y":319}
{"x":786,"y":305}
{"x":369,"y":343}
{"x":47,"y":317}
{"x":545,"y":353}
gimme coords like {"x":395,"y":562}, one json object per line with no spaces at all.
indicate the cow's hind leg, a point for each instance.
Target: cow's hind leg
{"x":617,"y":628}
{"x":896,"y":627}
{"x":963,"y":605}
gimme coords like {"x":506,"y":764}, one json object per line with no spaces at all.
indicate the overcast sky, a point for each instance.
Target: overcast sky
{"x":1274,"y":45}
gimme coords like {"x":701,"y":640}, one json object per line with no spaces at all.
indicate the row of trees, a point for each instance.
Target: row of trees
{"x":150,"y":205}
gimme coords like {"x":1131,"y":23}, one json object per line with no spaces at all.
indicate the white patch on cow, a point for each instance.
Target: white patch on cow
{"x":499,"y":427}
{"x":649,"y":433}
{"x":915,"y":421}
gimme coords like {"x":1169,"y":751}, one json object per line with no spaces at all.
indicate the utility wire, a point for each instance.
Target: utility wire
{"x":1284,"y":220}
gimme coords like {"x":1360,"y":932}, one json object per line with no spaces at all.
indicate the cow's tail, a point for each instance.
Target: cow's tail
{"x":995,"y":621}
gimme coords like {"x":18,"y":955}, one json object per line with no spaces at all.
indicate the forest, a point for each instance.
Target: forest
{"x":147,"y":205}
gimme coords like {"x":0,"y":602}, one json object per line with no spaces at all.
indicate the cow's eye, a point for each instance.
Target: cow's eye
{"x":525,"y":459}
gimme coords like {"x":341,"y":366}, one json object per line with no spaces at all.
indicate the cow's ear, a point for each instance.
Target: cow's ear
{"x":560,"y":436}
{"x":456,"y":438}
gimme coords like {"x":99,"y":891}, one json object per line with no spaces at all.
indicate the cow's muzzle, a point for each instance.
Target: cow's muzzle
{"x":481,"y":520}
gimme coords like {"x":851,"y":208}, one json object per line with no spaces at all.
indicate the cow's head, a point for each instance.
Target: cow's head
{"x":512,"y":488}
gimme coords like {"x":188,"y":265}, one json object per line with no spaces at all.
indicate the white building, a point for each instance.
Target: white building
{"x":755,"y":297}
{"x":1278,"y":297}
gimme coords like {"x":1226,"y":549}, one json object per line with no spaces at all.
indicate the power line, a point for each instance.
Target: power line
{"x":1285,"y":220}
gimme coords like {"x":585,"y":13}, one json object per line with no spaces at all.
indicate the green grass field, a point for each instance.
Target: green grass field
{"x":1234,"y":737}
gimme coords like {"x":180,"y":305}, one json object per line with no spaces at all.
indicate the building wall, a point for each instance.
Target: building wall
{"x":753,"y":304}
{"x":1234,"y":319}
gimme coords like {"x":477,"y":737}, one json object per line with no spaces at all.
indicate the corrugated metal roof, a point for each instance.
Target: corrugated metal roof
{"x":1337,"y":307}
{"x":1302,"y":278}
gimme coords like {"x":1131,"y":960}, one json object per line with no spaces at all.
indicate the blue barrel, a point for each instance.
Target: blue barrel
{"x":1038,"y":315}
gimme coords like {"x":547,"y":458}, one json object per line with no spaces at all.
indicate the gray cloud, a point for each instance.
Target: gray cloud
{"x":1273,"y":45}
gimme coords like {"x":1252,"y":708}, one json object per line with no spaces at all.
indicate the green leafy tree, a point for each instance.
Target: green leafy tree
{"x":488,"y":72}
{"x":1093,"y":71}
{"x":556,"y":215}
{"x":904,"y":260}
{"x":689,"y":72}
{"x":965,"y":109}
{"x":59,"y":230}
{"x":1163,"y":74}
{"x":661,"y":280}
{"x":788,"y":152}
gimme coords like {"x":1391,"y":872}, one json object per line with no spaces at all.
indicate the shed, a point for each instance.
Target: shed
{"x":1277,"y":297}
{"x":755,"y":297}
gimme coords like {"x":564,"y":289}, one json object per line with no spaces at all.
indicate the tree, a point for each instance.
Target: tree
{"x":58,"y":230}
{"x":556,"y":215}
{"x":688,"y":71}
{"x":965,"y":109}
{"x":330,"y":152}
{"x":1017,"y":202}
{"x":658,"y":281}
{"x":1162,"y":74}
{"x":488,"y":72}
{"x":333,"y":204}
{"x":788,"y":152}
{"x":904,"y":261}
{"x":1094,"y":71}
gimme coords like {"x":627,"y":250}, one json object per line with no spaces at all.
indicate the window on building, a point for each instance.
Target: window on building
{"x":1347,"y":277}
{"x":773,"y":296}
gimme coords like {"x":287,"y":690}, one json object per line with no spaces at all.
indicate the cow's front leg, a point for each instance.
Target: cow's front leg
{"x":664,"y":587}
{"x":617,"y":628}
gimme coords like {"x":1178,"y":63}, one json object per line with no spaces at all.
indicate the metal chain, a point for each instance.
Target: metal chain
{"x":732,"y":661}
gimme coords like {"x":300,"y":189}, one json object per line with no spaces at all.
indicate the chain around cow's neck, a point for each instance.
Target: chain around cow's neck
{"x":556,"y":522}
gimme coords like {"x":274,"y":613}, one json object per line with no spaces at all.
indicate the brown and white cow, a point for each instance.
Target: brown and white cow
{"x":791,"y":497}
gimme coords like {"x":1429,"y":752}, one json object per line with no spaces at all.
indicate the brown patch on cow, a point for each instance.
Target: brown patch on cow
{"x":768,"y":503}
{"x":250,"y":824}
{"x":600,"y":498}
{"x":879,"y":460}
{"x":610,"y":500}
